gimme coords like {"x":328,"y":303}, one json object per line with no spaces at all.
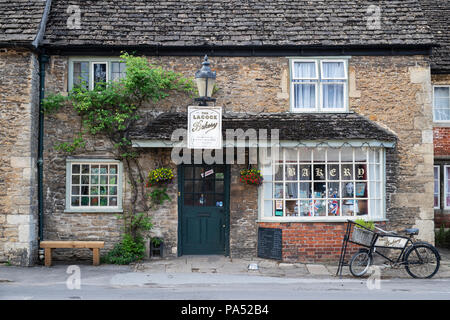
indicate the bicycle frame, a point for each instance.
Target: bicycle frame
{"x":399,"y":259}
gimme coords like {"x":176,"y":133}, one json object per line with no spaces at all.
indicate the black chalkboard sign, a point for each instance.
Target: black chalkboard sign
{"x":269,"y":243}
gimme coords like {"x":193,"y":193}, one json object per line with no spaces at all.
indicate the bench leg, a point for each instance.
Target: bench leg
{"x":48,"y":256}
{"x":96,"y":256}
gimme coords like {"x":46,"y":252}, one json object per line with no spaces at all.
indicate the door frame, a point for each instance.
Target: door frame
{"x":227,"y":182}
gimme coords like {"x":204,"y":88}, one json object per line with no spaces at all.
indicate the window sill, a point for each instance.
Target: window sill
{"x":105,"y":210}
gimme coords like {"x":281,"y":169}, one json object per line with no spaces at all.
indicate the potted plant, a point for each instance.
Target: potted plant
{"x":251,"y":177}
{"x":156,"y":247}
{"x":363,"y":232}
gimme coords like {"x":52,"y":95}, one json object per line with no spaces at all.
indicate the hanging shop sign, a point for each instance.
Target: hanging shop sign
{"x":204,"y":127}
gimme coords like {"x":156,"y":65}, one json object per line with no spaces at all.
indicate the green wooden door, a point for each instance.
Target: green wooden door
{"x":203,"y":209}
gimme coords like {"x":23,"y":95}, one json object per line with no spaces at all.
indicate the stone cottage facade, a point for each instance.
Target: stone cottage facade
{"x":349,"y":91}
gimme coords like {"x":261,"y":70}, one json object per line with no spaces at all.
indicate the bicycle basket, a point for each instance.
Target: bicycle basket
{"x":362,"y":236}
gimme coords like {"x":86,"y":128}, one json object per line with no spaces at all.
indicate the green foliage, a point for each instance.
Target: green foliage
{"x":157,"y":241}
{"x":367,"y":224}
{"x":111,"y":108}
{"x":442,"y":238}
{"x":127,"y":251}
{"x":136,"y":224}
{"x":70,"y":147}
{"x":53,"y":102}
{"x":132,"y":247}
{"x":159,"y":195}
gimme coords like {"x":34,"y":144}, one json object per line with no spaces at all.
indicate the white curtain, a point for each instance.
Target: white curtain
{"x":304,"y":90}
{"x":333,"y":94}
{"x":441,"y":103}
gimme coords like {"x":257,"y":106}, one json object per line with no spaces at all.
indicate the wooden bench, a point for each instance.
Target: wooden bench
{"x":95,"y":246}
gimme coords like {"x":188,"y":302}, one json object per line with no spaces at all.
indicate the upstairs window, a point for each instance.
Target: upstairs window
{"x":89,"y":73}
{"x":319,"y":85}
{"x":441,"y":103}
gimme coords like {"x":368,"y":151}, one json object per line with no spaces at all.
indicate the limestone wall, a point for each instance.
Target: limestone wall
{"x":19,"y":103}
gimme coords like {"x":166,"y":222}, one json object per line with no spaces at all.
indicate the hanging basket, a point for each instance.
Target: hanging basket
{"x":160,"y":177}
{"x":251,"y":177}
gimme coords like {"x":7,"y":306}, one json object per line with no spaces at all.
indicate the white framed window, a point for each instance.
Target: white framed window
{"x":323,"y":183}
{"x":437,"y":188}
{"x":93,"y":185}
{"x":88,"y":71}
{"x":441,"y":103}
{"x":319,"y":85}
{"x":447,"y":187}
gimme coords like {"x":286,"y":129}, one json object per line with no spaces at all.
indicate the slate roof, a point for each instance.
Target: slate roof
{"x":238,"y":22}
{"x":20,"y":20}
{"x":292,"y":126}
{"x":438,"y":15}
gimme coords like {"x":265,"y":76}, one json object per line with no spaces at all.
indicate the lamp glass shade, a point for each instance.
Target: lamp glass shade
{"x":205,"y":90}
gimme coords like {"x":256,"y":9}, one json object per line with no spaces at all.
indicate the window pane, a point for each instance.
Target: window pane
{"x":347,"y":171}
{"x":305,"y":190}
{"x":99,"y":73}
{"x":441,"y":103}
{"x":333,"y":96}
{"x":441,"y":114}
{"x":291,"y":208}
{"x":278,"y":192}
{"x":333,"y":70}
{"x":333,"y":172}
{"x":291,"y":190}
{"x":320,"y":208}
{"x":304,"y":96}
{"x":305,"y":70}
{"x":75,"y":168}
{"x":305,"y":208}
{"x":436,"y":187}
{"x":291,"y":172}
{"x":305,"y":172}
{"x":81,"y":74}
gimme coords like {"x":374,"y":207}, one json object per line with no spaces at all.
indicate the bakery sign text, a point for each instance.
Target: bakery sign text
{"x":204,"y":127}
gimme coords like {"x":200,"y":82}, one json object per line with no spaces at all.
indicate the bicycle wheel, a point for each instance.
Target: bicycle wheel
{"x":360,"y":263}
{"x":422,"y":261}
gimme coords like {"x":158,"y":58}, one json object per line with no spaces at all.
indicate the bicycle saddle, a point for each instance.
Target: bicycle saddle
{"x":412,"y":231}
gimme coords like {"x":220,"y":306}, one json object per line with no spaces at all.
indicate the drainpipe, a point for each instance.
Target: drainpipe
{"x":43,"y":60}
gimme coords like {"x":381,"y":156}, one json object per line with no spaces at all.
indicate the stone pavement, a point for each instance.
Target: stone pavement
{"x":266,"y":267}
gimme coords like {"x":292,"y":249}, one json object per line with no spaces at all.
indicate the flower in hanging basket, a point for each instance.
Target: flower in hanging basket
{"x":159,"y":176}
{"x":251,"y":176}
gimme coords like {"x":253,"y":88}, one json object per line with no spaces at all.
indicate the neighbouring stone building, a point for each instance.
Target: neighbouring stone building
{"x":20,"y":23}
{"x":348,"y":84}
{"x":438,"y":15}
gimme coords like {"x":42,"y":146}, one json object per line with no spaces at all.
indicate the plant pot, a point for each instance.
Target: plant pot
{"x":362,"y":236}
{"x":157,"y":250}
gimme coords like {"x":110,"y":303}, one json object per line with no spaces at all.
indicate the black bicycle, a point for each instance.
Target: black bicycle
{"x":420,"y":259}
